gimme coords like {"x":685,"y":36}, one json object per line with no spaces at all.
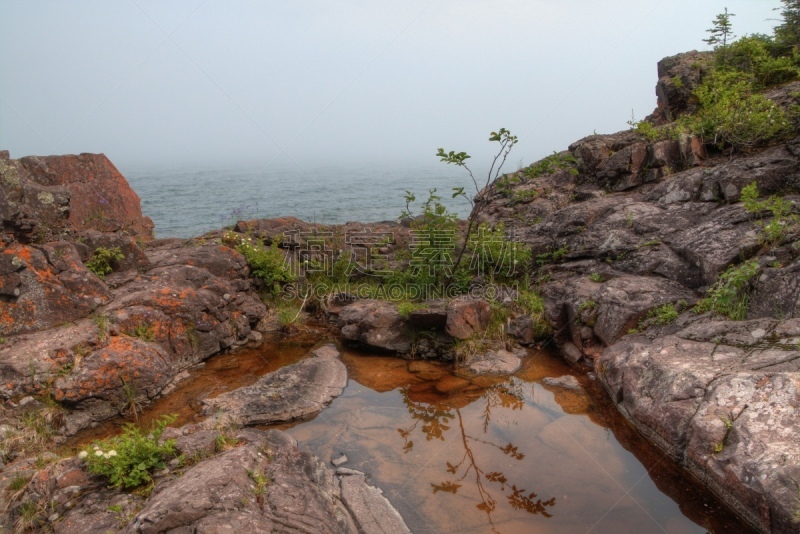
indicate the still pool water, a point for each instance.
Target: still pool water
{"x":456,"y":454}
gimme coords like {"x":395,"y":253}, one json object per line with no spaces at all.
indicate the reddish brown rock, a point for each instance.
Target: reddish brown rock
{"x":42,"y":197}
{"x":466,"y":317}
{"x":44,"y":286}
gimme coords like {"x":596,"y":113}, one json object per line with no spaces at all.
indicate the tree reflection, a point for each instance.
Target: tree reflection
{"x":436,"y":419}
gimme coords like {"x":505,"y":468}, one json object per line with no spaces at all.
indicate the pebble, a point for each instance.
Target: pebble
{"x":340,"y":460}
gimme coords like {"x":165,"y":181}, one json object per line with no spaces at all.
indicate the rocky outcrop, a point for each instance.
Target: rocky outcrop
{"x":678,"y":76}
{"x":181,"y":304}
{"x":467,"y":317}
{"x":45,"y":285}
{"x":627,"y":235}
{"x":45,"y":197}
{"x":265,"y":483}
{"x":721,"y":397}
{"x":292,"y":392}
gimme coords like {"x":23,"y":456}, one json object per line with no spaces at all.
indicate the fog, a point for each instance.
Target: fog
{"x":207,"y":82}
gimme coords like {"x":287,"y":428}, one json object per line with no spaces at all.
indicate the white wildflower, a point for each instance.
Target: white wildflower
{"x":98,"y":453}
{"x":111,"y":453}
{"x":83,"y":454}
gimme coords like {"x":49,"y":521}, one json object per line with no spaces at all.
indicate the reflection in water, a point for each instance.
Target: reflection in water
{"x":436,"y":419}
{"x":492,"y":446}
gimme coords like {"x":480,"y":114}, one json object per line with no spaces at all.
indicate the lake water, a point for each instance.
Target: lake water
{"x":185,"y":202}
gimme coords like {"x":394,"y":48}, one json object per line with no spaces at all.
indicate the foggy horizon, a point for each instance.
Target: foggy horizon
{"x":202,"y":83}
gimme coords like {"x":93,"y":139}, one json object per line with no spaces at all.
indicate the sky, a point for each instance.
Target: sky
{"x":298,"y":83}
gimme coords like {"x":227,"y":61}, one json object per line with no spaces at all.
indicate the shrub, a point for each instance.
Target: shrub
{"x":496,"y":256}
{"x":663,"y":315}
{"x":268,"y":264}
{"x":732,"y":115}
{"x":551,"y":164}
{"x":729,"y":296}
{"x":756,"y":55}
{"x":126,"y":460}
{"x":775,"y":230}
{"x":103,"y":259}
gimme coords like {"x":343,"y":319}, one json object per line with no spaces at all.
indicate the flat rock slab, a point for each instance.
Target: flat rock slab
{"x":371,"y":511}
{"x":292,"y":392}
{"x":495,"y":362}
{"x":721,"y":397}
{"x":564,"y":382}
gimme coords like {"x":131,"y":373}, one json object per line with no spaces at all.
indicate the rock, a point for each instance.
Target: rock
{"x":678,"y":76}
{"x":135,"y":257}
{"x":432,"y":317}
{"x":623,"y":301}
{"x":467,"y":317}
{"x":199,"y":443}
{"x":265,"y":485}
{"x":719,"y":396}
{"x":565,"y":382}
{"x":41,"y":197}
{"x":161,"y":322}
{"x":371,"y":511}
{"x":375,"y":324}
{"x":292,"y":392}
{"x":776,"y":293}
{"x":339,"y":460}
{"x":494,"y":362}
{"x":39,"y":294}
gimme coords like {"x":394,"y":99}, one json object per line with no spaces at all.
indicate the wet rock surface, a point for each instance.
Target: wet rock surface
{"x":293,"y":392}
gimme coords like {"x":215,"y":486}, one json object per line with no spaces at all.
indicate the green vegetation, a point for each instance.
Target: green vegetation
{"x":551,"y":164}
{"x":144,"y":331}
{"x":261,"y":481}
{"x":103,"y":259}
{"x":781,"y":209}
{"x":663,"y":315}
{"x":405,"y":308}
{"x":126,"y":460}
{"x":729,"y":296}
{"x":731,"y":114}
{"x":553,"y":256}
{"x":268,"y":264}
{"x":722,"y":30}
{"x":598,"y":278}
{"x":225,"y":441}
{"x":531,"y":303}
{"x":17,"y":483}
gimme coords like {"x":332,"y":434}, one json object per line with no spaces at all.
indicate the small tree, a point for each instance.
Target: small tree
{"x":721,"y":32}
{"x":788,"y":32}
{"x":506,"y":141}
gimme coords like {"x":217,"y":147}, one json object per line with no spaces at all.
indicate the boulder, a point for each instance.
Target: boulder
{"x":467,"y":317}
{"x":264,"y":484}
{"x":371,"y":511}
{"x":292,"y":392}
{"x":375,"y":324}
{"x":494,"y":362}
{"x":42,"y":197}
{"x":678,"y":76}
